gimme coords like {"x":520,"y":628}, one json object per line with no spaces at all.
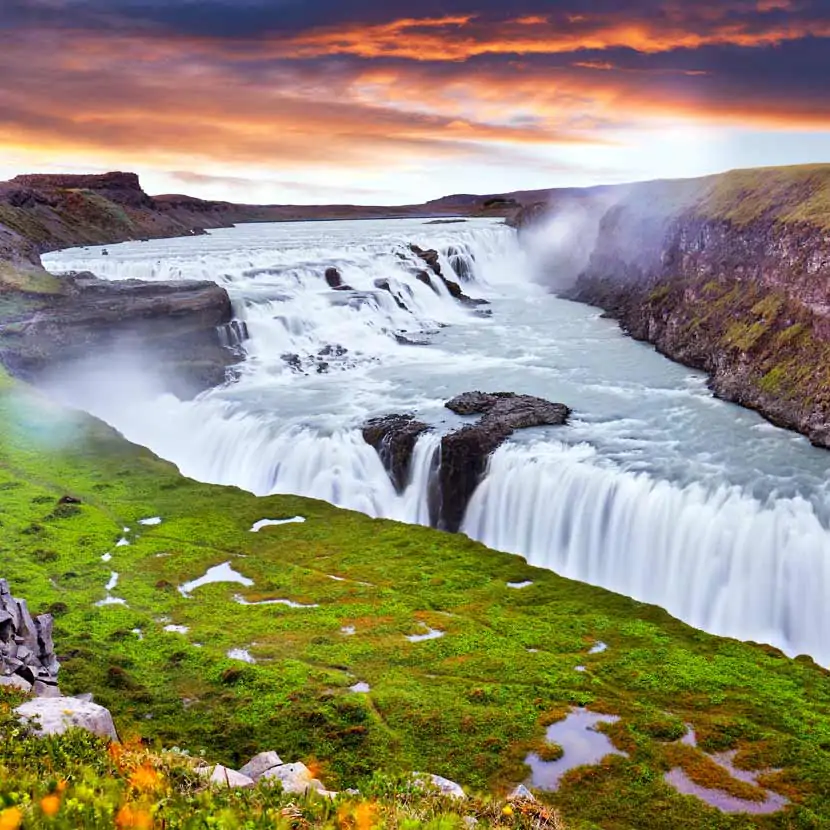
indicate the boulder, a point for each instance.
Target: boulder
{"x":521,"y":793}
{"x":295,"y":778}
{"x":260,"y":764}
{"x":457,"y":294}
{"x":15,"y":681}
{"x":394,"y":438}
{"x":26,"y":648}
{"x":56,"y":715}
{"x":223,"y":777}
{"x":443,"y":785}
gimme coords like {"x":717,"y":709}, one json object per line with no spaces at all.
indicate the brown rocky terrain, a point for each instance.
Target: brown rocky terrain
{"x":729,"y":274}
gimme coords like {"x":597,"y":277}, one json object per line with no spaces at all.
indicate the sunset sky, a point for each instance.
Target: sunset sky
{"x":388,"y":101}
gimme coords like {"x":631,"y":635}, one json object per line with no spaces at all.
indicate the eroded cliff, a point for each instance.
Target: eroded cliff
{"x":729,"y":274}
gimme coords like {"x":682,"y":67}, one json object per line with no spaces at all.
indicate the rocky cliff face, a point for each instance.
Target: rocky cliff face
{"x":731,"y":275}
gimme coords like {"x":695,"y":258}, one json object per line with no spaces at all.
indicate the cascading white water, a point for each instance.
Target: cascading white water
{"x":656,"y":490}
{"x":716,"y":558}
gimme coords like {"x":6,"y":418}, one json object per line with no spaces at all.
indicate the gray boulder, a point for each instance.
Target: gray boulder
{"x":260,"y":764}
{"x":220,"y":776}
{"x":446,"y":787}
{"x":56,"y":715}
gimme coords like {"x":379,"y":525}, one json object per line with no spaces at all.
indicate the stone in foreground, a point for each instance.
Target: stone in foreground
{"x":295,"y":778}
{"x":56,"y":715}
{"x":260,"y":764}
{"x":521,"y":793}
{"x":224,"y":777}
{"x":446,"y":787}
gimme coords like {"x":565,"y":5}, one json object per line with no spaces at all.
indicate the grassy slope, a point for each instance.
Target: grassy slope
{"x":468,"y":706}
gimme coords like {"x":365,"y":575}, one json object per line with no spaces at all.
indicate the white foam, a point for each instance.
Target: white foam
{"x":257,"y":526}
{"x":110,"y":600}
{"x":218,"y":573}
{"x":241,"y":654}
{"x":430,"y":634}
{"x":238,"y":598}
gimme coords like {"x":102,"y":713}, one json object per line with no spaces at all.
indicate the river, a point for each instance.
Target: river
{"x":656,"y":490}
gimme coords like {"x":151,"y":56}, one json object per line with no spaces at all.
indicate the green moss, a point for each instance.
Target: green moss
{"x":469,"y":706}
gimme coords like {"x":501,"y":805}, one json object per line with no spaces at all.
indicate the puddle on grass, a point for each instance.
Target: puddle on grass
{"x":154,"y":520}
{"x":219,"y":573}
{"x":598,"y":648}
{"x":110,"y":600}
{"x":240,"y":600}
{"x":257,"y":526}
{"x":581,"y":743}
{"x":430,"y":634}
{"x":773,"y":802}
{"x":519,"y":585}
{"x":241,"y":654}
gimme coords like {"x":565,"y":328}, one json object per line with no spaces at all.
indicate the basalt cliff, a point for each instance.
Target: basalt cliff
{"x":729,"y":274}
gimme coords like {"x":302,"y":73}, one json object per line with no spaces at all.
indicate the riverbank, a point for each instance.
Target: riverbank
{"x":729,"y":274}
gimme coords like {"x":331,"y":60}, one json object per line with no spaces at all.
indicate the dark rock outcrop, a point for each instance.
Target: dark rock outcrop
{"x":394,"y":438}
{"x":174,"y":327}
{"x":464,"y":453}
{"x":430,"y":257}
{"x":27,"y":654}
{"x":333,"y":278}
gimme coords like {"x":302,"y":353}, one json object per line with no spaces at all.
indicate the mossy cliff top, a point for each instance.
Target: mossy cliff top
{"x":470,"y":704}
{"x":786,"y":195}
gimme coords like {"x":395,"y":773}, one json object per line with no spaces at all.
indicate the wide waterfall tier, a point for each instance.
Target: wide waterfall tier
{"x":656,"y":490}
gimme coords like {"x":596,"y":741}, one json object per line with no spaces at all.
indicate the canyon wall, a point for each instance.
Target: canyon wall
{"x":729,"y":274}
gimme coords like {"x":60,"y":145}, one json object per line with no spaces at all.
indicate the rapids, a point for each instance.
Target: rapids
{"x":657,"y":490}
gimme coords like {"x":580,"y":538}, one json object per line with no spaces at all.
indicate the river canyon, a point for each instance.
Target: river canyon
{"x":655,"y":489}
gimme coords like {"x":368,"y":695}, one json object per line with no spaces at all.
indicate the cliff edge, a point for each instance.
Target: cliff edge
{"x":729,"y":274}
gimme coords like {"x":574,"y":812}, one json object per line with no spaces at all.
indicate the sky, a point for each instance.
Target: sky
{"x":391,"y":102}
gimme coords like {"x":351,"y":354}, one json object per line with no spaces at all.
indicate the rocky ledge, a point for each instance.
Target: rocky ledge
{"x":464,"y":453}
{"x":27,"y":655}
{"x":184,"y":331}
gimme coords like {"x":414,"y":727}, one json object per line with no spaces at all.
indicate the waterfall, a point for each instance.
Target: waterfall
{"x":715,"y":558}
{"x":320,"y":362}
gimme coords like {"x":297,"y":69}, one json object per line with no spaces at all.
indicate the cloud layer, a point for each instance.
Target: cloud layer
{"x":335,"y":98}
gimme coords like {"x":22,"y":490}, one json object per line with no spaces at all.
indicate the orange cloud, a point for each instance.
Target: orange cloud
{"x":462,"y":38}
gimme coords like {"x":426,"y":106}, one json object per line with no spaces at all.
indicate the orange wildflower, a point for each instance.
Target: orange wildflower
{"x":11,"y":819}
{"x":134,"y":819}
{"x":364,"y":816}
{"x":144,"y":778}
{"x":50,"y":804}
